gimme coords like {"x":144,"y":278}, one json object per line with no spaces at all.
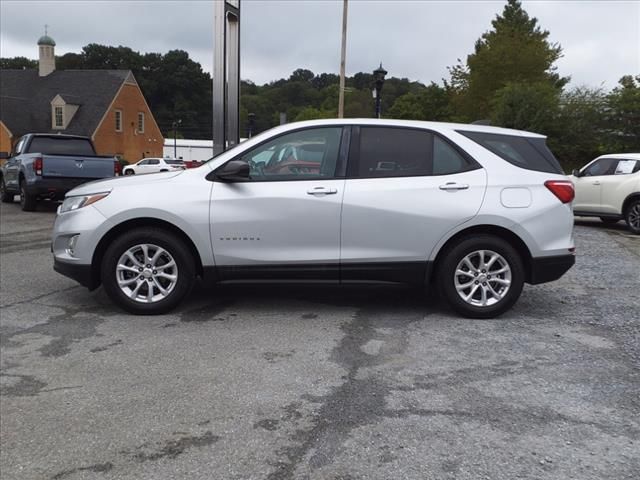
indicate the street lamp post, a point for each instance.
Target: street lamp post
{"x":175,"y":127}
{"x":251,"y":124}
{"x":378,"y":78}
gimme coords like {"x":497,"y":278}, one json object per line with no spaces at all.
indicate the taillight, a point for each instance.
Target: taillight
{"x":563,"y":189}
{"x":117,"y":168}
{"x":37,"y":165}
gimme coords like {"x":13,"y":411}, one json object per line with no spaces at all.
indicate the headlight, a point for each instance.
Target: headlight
{"x":74,"y":203}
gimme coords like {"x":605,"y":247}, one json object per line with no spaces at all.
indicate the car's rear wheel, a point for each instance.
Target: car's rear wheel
{"x":5,"y":196}
{"x":27,"y":202}
{"x":632,"y":216}
{"x":129,"y":172}
{"x":609,"y":220}
{"x":481,"y":277}
{"x":148,"y":271}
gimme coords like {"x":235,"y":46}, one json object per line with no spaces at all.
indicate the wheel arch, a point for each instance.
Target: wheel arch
{"x":503,"y":233}
{"x":631,"y":197}
{"x":128,"y":225}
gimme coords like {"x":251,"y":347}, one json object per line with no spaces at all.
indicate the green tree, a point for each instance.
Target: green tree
{"x":17,"y":63}
{"x":516,"y":50}
{"x":526,"y":106}
{"x":624,"y":115}
{"x":581,"y":134}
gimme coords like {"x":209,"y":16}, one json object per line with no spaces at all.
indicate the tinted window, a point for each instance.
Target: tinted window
{"x":523,"y":152}
{"x":154,"y":161}
{"x":174,"y":162}
{"x":446,"y":159}
{"x":143,"y":162}
{"x":301,"y":155}
{"x":604,"y":166}
{"x":61,"y":146}
{"x":394,"y":152}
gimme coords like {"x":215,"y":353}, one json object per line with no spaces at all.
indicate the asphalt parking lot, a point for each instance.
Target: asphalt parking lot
{"x":281,"y":383}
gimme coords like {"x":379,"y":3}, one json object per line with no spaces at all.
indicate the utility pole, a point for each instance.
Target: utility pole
{"x":343,"y":61}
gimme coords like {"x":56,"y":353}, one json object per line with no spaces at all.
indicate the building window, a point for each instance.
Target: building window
{"x":58,"y":119}
{"x":118,"y":120}
{"x":140,"y":122}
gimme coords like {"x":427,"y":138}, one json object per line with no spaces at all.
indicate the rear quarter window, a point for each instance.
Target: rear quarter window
{"x":523,"y":152}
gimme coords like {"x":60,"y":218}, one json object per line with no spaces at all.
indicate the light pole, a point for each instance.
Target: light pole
{"x":175,"y":127}
{"x":251,"y":124}
{"x":378,"y":78}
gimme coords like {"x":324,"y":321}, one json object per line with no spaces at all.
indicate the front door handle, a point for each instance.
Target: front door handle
{"x":596,"y":182}
{"x":454,"y":186}
{"x":322,"y":191}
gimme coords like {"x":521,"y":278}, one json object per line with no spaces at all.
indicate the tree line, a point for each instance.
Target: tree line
{"x":510,"y":79}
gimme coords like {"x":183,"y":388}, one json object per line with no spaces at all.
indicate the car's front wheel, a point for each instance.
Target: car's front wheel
{"x":481,"y":277}
{"x":148,"y":271}
{"x":129,"y":171}
{"x":632,"y":216}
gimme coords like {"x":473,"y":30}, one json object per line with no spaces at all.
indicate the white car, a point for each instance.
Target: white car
{"x":609,"y":188}
{"x":153,"y":165}
{"x":475,"y":211}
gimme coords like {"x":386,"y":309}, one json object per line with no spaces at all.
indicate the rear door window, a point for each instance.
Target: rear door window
{"x":394,"y":152}
{"x":524,"y":152}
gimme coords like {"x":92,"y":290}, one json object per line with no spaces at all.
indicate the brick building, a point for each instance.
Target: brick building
{"x":106,"y":105}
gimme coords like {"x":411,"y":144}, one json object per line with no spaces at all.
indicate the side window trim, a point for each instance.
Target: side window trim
{"x":212,"y":177}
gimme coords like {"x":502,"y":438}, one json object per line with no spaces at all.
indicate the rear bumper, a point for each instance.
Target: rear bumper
{"x":548,"y":269}
{"x":80,"y":273}
{"x":55,"y":188}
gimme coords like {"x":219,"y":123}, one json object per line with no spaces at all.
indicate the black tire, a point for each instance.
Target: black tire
{"x":632,"y":216}
{"x":168,"y":241}
{"x":446,"y":276}
{"x":609,"y":220}
{"x":5,"y":197}
{"x":27,"y":202}
{"x":129,"y":172}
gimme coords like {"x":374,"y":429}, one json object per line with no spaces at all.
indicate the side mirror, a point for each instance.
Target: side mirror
{"x":233,"y":171}
{"x":576,"y":173}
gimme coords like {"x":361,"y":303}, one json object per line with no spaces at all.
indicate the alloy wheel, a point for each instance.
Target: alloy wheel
{"x":146,"y":273}
{"x":482,"y":278}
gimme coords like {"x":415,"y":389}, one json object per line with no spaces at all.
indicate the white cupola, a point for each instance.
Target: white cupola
{"x":47,"y":58}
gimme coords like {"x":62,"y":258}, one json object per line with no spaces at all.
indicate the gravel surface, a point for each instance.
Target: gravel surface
{"x":319,"y":383}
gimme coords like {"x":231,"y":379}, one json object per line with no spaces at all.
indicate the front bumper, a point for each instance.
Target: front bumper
{"x":548,"y":269}
{"x":80,"y":273}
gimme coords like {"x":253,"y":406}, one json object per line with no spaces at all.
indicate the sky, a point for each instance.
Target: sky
{"x":415,"y":39}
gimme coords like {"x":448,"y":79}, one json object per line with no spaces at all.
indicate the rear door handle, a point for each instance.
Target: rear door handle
{"x":596,"y":182}
{"x":454,"y":186}
{"x":322,"y":191}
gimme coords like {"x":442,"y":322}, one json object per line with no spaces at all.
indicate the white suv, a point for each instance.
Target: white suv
{"x":153,"y":165}
{"x":609,"y":188}
{"x":476,"y":210}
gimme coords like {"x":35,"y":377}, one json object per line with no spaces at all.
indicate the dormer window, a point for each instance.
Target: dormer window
{"x":58,"y":120}
{"x":62,"y":112}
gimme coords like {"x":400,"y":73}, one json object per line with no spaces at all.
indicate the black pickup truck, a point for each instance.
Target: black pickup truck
{"x":46,"y":166}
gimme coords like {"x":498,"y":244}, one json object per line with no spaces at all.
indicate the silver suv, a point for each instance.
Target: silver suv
{"x":475,"y":211}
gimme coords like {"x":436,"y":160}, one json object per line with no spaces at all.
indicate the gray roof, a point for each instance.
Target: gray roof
{"x":25,"y":98}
